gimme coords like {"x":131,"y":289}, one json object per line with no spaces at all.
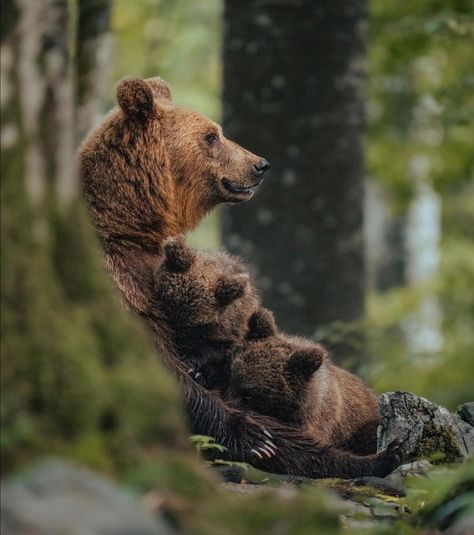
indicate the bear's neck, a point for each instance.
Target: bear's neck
{"x":135,"y":205}
{"x":132,"y":261}
{"x":133,"y":245}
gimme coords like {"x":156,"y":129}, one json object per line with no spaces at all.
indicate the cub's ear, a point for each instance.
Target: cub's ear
{"x":261,"y":325}
{"x":178,"y":256}
{"x":161,"y":90}
{"x":135,"y":97}
{"x":229,"y":289}
{"x":303,"y":363}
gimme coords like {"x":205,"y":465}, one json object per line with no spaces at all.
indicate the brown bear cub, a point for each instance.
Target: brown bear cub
{"x":295,"y":381}
{"x":207,"y":300}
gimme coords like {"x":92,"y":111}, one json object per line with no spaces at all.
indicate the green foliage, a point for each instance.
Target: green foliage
{"x":79,"y":377}
{"x":234,"y":464}
{"x":177,"y":40}
{"x":207,"y":234}
{"x":446,"y":496}
{"x":436,"y":502}
{"x":421,"y":98}
{"x":291,"y":512}
{"x":421,"y":109}
{"x":204,"y":443}
{"x":444,"y":378}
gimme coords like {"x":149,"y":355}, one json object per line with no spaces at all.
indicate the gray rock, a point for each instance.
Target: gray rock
{"x":60,"y":499}
{"x":462,"y":526}
{"x":230,"y":474}
{"x":466,"y":412}
{"x":424,"y":428}
{"x":382,"y":509}
{"x":390,"y":487}
{"x":414,"y":469}
{"x":243,"y":488}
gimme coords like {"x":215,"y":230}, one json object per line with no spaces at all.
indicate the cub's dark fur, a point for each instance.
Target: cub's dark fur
{"x":207,"y":300}
{"x":294,"y":380}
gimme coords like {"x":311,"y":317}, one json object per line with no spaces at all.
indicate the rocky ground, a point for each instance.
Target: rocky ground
{"x":428,"y":431}
{"x":432,"y":493}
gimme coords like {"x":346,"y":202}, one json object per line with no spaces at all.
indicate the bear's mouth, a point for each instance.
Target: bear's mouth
{"x":235,"y":188}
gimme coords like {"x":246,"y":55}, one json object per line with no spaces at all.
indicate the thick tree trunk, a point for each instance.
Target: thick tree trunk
{"x":75,"y":370}
{"x":294,"y":81}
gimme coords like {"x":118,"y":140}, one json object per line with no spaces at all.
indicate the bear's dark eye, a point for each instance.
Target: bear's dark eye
{"x":212,"y":138}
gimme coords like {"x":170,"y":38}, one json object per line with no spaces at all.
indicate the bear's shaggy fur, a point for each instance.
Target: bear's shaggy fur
{"x":294,"y":380}
{"x":207,"y":301}
{"x":151,"y":171}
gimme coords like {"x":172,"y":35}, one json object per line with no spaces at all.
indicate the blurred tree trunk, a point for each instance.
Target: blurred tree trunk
{"x":294,"y":88}
{"x":78,"y":377}
{"x":92,"y":58}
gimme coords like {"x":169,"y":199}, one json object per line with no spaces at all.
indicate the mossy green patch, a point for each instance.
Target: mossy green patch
{"x":437,"y":445}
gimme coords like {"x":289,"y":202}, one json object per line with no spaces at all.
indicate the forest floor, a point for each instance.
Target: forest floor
{"x":417,"y":497}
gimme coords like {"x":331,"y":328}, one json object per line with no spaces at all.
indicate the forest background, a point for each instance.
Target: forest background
{"x":361,"y":236}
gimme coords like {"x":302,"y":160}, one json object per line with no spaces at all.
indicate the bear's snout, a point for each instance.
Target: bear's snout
{"x":260,"y":168}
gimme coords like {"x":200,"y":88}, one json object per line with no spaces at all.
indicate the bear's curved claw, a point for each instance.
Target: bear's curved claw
{"x":271,"y":446}
{"x":265,"y":432}
{"x":255,"y":452}
{"x":266,"y":451}
{"x":252,"y":439}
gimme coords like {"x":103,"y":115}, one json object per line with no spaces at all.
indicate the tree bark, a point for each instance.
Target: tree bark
{"x":294,"y":83}
{"x":75,"y":368}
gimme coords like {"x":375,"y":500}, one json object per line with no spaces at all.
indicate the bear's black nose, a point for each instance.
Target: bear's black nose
{"x":261,"y":167}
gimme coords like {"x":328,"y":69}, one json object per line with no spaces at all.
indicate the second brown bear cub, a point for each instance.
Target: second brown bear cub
{"x":294,"y":380}
{"x":207,"y":301}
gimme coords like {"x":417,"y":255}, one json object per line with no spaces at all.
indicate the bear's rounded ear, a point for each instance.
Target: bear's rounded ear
{"x":228,"y":289}
{"x":135,"y":97}
{"x":178,"y":256}
{"x":261,"y":325}
{"x":303,"y":363}
{"x":161,"y":90}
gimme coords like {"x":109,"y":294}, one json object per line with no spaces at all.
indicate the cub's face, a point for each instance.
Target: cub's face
{"x":205,"y":294}
{"x":272,"y":376}
{"x":259,"y":383}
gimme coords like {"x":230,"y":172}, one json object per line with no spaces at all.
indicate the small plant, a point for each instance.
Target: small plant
{"x":204,"y":443}
{"x":233,"y":464}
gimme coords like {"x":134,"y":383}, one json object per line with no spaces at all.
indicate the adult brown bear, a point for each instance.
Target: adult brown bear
{"x":150,"y":171}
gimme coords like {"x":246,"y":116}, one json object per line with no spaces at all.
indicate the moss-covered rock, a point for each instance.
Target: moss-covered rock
{"x":427,"y":430}
{"x":437,"y":445}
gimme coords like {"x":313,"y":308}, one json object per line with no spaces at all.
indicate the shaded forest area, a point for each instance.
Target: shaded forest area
{"x":380,"y":141}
